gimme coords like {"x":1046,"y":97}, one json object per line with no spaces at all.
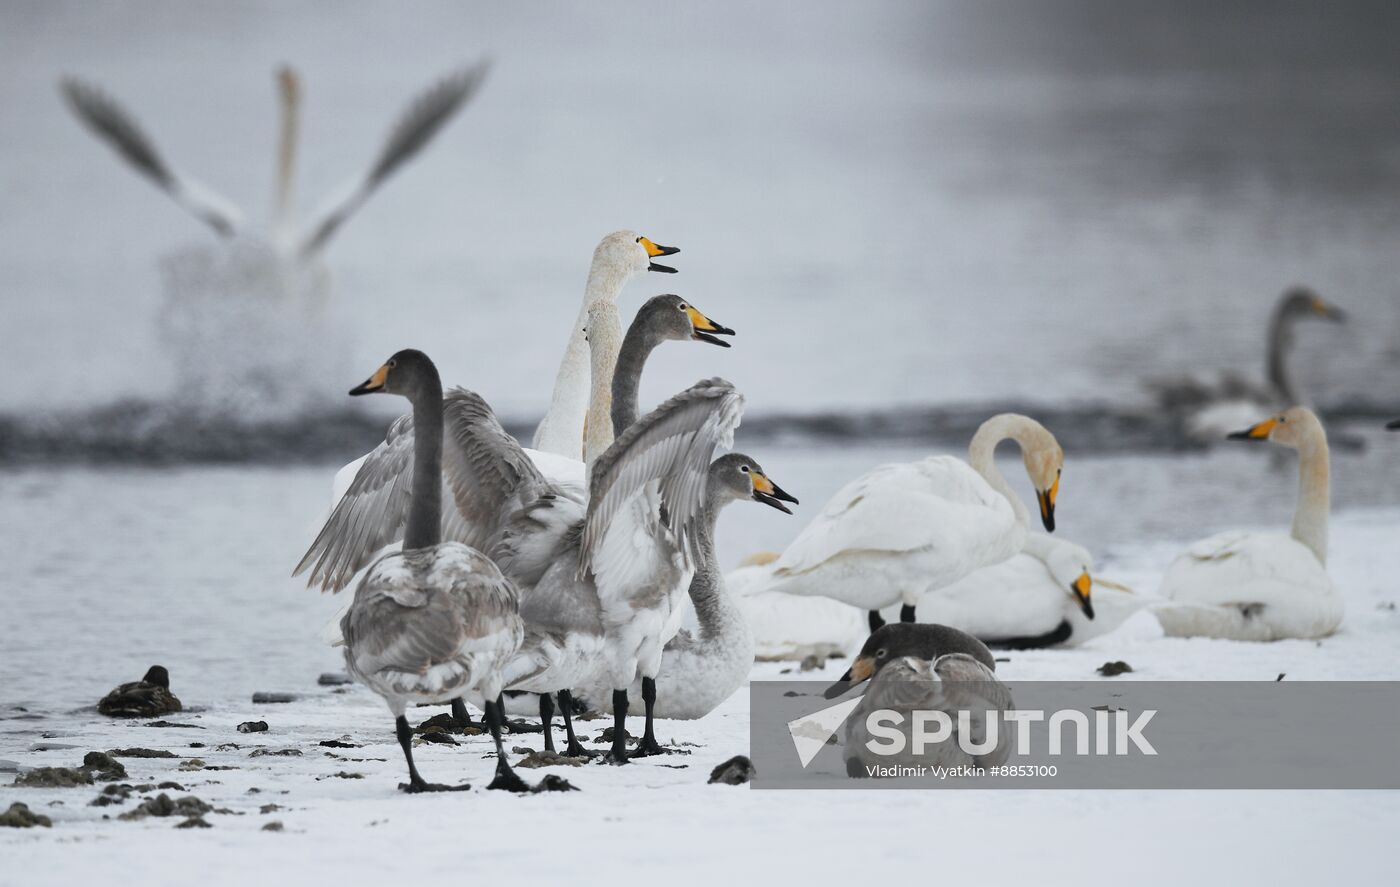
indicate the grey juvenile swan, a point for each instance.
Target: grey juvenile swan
{"x":701,"y":670}
{"x":436,"y":621}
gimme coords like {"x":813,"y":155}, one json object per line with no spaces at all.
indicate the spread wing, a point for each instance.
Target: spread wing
{"x":486,"y":476}
{"x":666,"y":453}
{"x":428,"y":114}
{"x":113,"y":124}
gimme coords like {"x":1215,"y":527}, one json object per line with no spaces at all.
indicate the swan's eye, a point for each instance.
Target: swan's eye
{"x":1283,"y":418}
{"x":744,"y":468}
{"x":681,"y":306}
{"x":393,"y":363}
{"x":639,"y":240}
{"x":881,"y":653}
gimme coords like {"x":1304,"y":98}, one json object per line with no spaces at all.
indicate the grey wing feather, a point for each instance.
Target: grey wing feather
{"x":487,"y":478}
{"x":113,"y":124}
{"x":429,"y":112}
{"x":671,"y":447}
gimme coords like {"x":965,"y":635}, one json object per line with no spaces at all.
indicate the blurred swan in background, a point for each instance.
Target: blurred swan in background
{"x":1212,"y":409}
{"x":619,"y":257}
{"x":237,"y":317}
{"x":893,"y":534}
{"x":1263,"y":586}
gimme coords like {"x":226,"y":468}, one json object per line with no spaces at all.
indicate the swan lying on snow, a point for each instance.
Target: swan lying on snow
{"x":1263,"y":586}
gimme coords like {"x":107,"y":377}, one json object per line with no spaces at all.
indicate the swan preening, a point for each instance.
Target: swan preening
{"x":1263,"y":586}
{"x":237,"y":316}
{"x":1213,"y":409}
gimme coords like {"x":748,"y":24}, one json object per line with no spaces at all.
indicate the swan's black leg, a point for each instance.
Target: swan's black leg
{"x":460,"y":713}
{"x":547,"y":720}
{"x":506,"y":779}
{"x":618,"y":753}
{"x":906,"y":613}
{"x":876,"y":620}
{"x":415,"y":782}
{"x":575,"y":748}
{"x":649,"y":746}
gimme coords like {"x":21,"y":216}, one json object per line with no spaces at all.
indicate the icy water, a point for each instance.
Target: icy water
{"x":894,"y":203}
{"x":110,"y":571}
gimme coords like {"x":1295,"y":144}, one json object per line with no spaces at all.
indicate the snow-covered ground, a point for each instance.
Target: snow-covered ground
{"x":112,"y":571}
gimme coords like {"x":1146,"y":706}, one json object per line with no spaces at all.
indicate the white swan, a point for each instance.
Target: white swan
{"x":1263,"y":586}
{"x":256,"y":298}
{"x":891,"y":535}
{"x":618,"y":258}
{"x":785,"y":626}
{"x":1212,"y":409}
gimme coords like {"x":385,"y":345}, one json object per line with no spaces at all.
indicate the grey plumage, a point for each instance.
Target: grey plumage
{"x":427,"y":114}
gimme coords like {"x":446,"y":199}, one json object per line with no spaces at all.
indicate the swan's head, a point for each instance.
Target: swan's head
{"x":631,"y":253}
{"x":894,"y":642}
{"x":1294,"y":428}
{"x":1069,"y":566}
{"x":736,"y":476}
{"x":1044,"y":461}
{"x":402,"y":374}
{"x":1301,"y":301}
{"x":670,"y":317}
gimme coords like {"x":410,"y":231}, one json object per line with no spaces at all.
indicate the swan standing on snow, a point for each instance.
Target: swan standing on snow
{"x":891,"y":535}
{"x":1260,"y":586}
{"x":436,"y":621}
{"x":702,"y":669}
{"x":618,"y":258}
{"x":271,"y":285}
{"x":1213,"y":410}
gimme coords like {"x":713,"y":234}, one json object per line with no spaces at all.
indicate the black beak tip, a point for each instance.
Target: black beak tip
{"x":1238,"y":435}
{"x":1393,"y":426}
{"x":664,"y":269}
{"x":1088,"y":609}
{"x":1048,"y":519}
{"x":839,"y":687}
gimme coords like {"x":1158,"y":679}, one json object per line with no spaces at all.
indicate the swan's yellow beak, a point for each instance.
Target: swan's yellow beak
{"x":1046,"y":498}
{"x":373,"y":383}
{"x":654,"y":250}
{"x":1081,"y":588}
{"x":769,"y":493}
{"x":1325,"y":309}
{"x":1257,"y":432}
{"x":703,"y":326}
{"x":860,"y":670}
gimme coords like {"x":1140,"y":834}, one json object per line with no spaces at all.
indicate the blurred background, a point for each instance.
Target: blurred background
{"x":914,"y":214}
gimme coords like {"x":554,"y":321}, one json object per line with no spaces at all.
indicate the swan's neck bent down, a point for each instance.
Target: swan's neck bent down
{"x":424,"y":525}
{"x":561,"y":431}
{"x":604,"y":331}
{"x":1314,"y":494}
{"x":981,"y":455}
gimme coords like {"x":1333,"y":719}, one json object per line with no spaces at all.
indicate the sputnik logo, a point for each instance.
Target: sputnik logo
{"x":811,"y":732}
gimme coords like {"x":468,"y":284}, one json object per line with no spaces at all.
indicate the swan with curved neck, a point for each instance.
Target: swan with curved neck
{"x":702,"y":668}
{"x":436,"y":621}
{"x":1261,"y":586}
{"x":901,"y":530}
{"x":618,"y":258}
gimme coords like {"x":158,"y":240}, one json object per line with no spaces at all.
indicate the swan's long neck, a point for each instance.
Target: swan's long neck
{"x":1314,"y":494}
{"x":561,"y":431}
{"x":1279,"y":374}
{"x":424,"y":526}
{"x":287,"y":147}
{"x":604,"y":330}
{"x":713,"y":610}
{"x":981,"y":455}
{"x":627,"y":378}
